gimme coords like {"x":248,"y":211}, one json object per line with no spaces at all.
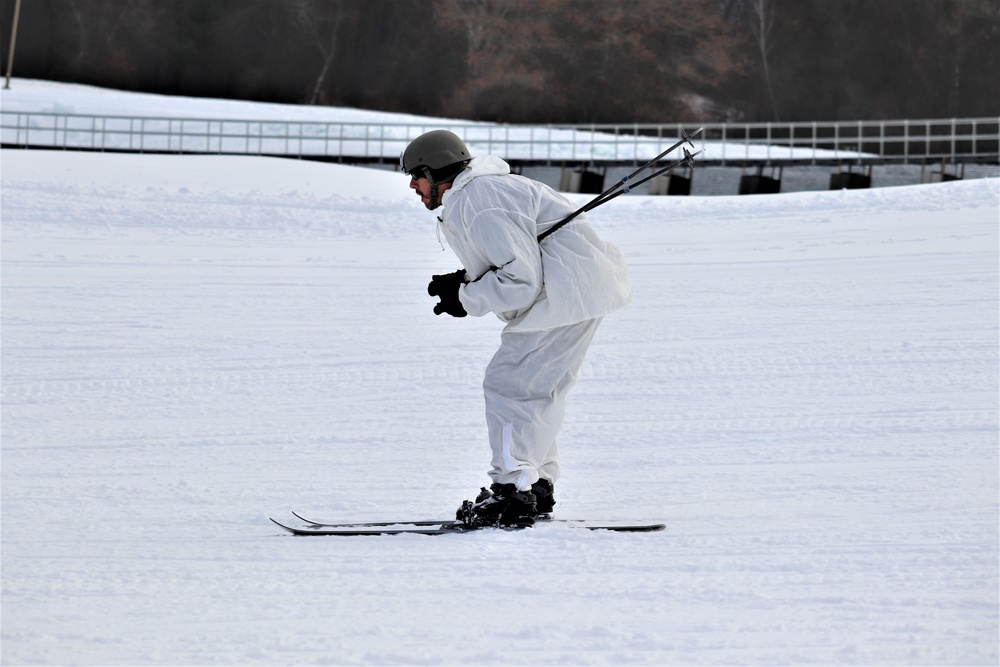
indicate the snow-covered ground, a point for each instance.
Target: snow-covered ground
{"x":805,"y":391}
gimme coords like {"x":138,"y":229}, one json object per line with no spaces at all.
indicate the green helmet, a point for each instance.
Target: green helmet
{"x":438,"y":155}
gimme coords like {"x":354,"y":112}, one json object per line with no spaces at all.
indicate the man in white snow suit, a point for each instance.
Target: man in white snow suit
{"x":552,"y":295}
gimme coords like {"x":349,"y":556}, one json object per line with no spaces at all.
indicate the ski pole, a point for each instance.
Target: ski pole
{"x":685,"y":138}
{"x":688,"y":159}
{"x":610,"y":193}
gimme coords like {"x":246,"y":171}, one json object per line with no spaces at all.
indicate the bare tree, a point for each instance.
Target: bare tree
{"x":483,"y":24}
{"x":965,"y":24}
{"x":321,"y":21}
{"x":762,"y":27}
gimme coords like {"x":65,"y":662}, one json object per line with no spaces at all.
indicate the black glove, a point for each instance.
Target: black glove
{"x":446,"y":287}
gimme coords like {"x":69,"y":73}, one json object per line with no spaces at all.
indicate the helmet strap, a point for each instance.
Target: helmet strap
{"x":434,"y":203}
{"x":437,"y":176}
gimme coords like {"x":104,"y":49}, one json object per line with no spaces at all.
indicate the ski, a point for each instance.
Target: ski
{"x":441,"y":528}
{"x":418,"y":522}
{"x":376,"y":524}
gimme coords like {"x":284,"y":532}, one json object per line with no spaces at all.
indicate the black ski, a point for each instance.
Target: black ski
{"x":375,"y":524}
{"x":439,"y":528}
{"x":419,"y":522}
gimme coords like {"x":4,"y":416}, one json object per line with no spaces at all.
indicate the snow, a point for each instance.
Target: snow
{"x":805,"y":391}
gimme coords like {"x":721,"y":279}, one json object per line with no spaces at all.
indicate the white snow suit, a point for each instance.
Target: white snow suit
{"x":552,"y":295}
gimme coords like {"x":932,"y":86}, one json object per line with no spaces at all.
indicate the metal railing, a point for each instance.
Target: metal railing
{"x":862,"y":142}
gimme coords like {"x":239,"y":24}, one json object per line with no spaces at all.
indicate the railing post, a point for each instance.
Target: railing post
{"x":906,"y":142}
{"x":861,"y":142}
{"x":725,"y":140}
{"x":954,"y":139}
{"x":815,"y":143}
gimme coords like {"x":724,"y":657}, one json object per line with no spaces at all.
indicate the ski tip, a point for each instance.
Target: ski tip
{"x":281,"y":525}
{"x":299,"y":516}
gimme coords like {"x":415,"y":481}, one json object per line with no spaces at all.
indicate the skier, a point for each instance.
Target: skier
{"x":552,"y":295}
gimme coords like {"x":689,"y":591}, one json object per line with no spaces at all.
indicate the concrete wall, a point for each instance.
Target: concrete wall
{"x":726,"y":180}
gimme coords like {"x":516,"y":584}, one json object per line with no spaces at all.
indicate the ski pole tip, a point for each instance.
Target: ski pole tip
{"x":688,"y":137}
{"x":689,"y":157}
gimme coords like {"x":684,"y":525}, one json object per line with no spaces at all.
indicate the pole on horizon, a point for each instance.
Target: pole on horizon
{"x":13,"y":40}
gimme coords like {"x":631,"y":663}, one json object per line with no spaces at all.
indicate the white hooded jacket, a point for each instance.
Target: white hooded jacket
{"x":492,"y":219}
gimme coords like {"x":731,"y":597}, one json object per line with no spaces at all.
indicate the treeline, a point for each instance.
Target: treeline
{"x":535,"y":60}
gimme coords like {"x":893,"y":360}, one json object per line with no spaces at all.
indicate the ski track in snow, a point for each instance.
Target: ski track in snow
{"x":805,"y":391}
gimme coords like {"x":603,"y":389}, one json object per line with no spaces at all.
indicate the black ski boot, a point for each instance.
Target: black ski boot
{"x":544,"y":496}
{"x":503,"y":506}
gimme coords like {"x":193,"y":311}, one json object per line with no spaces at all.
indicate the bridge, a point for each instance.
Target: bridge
{"x":574,"y":149}
{"x":953,"y":140}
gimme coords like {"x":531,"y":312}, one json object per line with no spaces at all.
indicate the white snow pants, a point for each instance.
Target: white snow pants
{"x":526,"y":386}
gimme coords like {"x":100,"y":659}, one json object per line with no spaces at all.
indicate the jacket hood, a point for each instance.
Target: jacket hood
{"x":488,"y":165}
